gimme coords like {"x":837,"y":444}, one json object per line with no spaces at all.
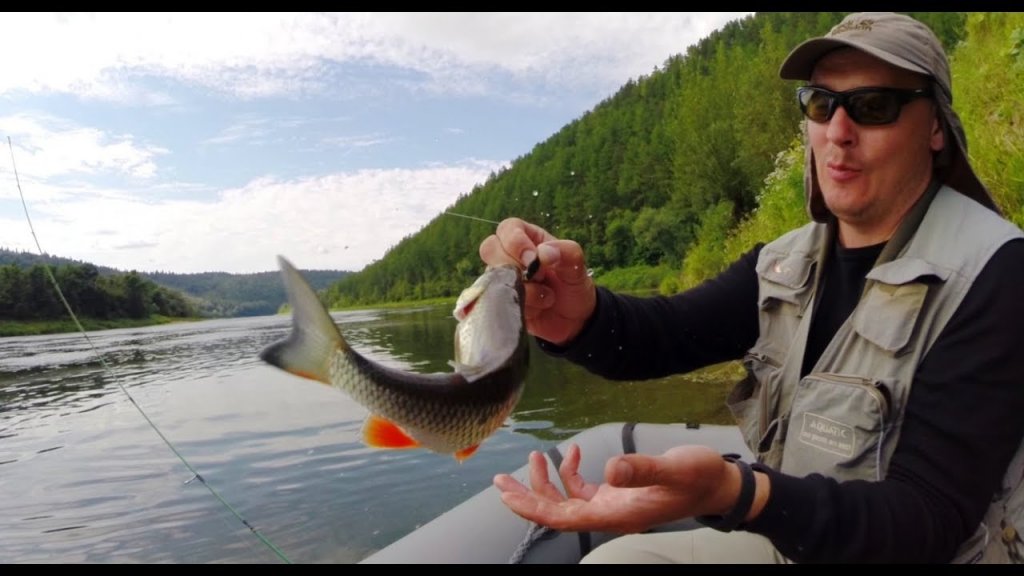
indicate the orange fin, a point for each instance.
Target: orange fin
{"x":466,"y":453}
{"x":381,"y":433}
{"x":305,"y":374}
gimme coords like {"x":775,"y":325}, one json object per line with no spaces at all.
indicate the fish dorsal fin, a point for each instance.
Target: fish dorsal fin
{"x":466,"y":453}
{"x":381,"y":433}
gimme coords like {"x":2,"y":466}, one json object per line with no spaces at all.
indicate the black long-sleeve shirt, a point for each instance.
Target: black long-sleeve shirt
{"x":964,"y":417}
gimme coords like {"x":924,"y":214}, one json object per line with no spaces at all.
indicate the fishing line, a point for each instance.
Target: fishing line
{"x":114,"y":377}
{"x":471,"y":217}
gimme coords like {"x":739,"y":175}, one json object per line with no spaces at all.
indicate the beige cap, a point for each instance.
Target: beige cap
{"x":908,"y":44}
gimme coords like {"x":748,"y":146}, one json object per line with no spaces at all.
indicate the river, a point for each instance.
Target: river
{"x":85,"y":478}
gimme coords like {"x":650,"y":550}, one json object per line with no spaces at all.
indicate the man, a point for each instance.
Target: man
{"x":884,"y":343}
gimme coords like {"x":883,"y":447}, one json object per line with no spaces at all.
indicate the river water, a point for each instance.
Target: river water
{"x":85,"y":478}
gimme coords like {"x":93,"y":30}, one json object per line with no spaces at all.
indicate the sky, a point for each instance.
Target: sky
{"x":214,"y":142}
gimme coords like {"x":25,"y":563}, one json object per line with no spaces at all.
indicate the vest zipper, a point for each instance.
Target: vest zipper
{"x":874,"y":388}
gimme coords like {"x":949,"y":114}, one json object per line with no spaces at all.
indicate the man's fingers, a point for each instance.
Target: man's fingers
{"x":539,"y":481}
{"x":575,"y":485}
{"x":522,"y":503}
{"x":493,"y":253}
{"x":566,"y":258}
{"x":682,"y":466}
{"x":637,"y":470}
{"x":519,"y":240}
{"x":506,"y":483}
{"x":535,"y":234}
{"x":565,"y":516}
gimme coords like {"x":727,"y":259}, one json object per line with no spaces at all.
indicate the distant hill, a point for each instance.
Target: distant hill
{"x":215,"y":294}
{"x":227,"y":295}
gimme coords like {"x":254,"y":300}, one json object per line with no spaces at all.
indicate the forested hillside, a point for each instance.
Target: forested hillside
{"x":656,"y":180}
{"x":27,"y":293}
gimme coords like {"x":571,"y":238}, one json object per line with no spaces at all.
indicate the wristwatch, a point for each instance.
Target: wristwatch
{"x":735,"y":517}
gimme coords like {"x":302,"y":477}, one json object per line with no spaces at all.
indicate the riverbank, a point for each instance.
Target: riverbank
{"x":40,"y":327}
{"x":448,"y":300}
{"x":393,"y":305}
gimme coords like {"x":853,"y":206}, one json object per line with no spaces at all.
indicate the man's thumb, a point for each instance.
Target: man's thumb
{"x":634,"y":470}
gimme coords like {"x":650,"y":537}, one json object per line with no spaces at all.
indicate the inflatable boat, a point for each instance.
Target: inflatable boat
{"x":482,"y":530}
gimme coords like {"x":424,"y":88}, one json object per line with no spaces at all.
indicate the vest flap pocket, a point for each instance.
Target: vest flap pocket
{"x":888,"y":313}
{"x":785,"y":275}
{"x":907,"y":270}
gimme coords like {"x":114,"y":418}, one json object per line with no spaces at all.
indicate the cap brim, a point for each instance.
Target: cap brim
{"x":800,"y":63}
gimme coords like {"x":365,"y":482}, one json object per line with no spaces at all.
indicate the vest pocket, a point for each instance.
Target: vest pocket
{"x":888,"y":313}
{"x":747,"y":399}
{"x":837,"y":427}
{"x":783,"y":294}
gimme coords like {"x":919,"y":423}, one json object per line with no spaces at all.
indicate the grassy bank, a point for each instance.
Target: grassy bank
{"x":637,"y":280}
{"x":396,"y":305}
{"x":38,"y":327}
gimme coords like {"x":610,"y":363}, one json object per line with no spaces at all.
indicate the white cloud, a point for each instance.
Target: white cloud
{"x":250,"y":129}
{"x":358,"y":141}
{"x":45,"y":147}
{"x":338,"y":221}
{"x":259,"y":54}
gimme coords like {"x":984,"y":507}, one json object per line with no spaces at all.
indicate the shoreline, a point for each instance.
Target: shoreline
{"x":10,"y":328}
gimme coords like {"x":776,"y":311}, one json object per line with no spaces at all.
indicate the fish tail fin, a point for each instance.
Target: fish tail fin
{"x":314,"y":338}
{"x":381,"y":433}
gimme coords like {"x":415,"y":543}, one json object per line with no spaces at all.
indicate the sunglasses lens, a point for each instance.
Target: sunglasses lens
{"x":816,"y":105}
{"x":874,"y":107}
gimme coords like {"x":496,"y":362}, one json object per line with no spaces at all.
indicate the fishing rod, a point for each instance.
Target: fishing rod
{"x":196,"y":475}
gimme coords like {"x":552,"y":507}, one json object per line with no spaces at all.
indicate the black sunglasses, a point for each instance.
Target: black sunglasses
{"x":866,"y":106}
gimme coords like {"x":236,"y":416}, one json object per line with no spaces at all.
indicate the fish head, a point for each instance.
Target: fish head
{"x":497,"y":283}
{"x":491,"y":330}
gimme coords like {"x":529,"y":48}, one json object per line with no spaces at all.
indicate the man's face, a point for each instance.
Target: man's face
{"x":871,"y":175}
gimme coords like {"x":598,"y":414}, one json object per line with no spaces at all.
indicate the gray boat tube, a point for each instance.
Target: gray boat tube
{"x":482,"y":530}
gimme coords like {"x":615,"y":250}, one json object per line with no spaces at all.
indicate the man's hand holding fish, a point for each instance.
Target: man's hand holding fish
{"x":560,"y":296}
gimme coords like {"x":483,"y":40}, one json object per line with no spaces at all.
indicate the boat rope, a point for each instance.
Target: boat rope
{"x":535,"y":533}
{"x":113,"y":375}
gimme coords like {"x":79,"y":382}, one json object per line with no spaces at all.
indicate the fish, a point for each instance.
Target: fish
{"x":445,"y":412}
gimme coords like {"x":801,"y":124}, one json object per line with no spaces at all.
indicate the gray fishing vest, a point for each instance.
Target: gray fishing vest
{"x":843,"y":419}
